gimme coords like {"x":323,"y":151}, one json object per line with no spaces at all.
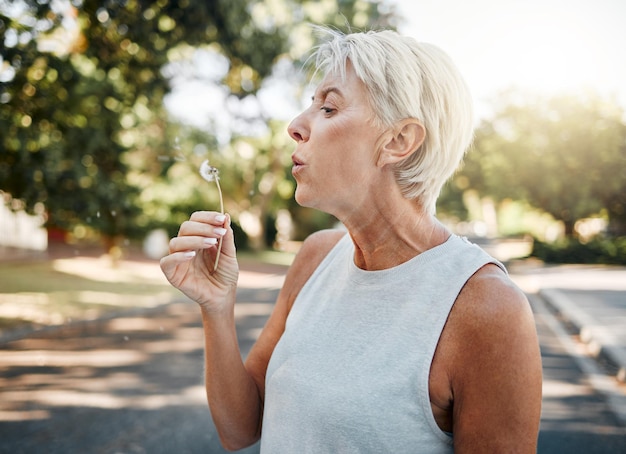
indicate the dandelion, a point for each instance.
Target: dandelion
{"x":210,"y":173}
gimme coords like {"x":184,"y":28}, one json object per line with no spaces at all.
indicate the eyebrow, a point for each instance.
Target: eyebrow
{"x":326,"y":91}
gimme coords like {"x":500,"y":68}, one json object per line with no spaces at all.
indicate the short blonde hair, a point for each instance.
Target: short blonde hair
{"x":409,"y":79}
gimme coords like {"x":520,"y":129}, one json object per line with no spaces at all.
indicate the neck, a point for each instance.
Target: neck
{"x":385,"y":238}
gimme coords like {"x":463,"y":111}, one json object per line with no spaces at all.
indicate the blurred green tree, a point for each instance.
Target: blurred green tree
{"x":565,"y":155}
{"x":83,"y":125}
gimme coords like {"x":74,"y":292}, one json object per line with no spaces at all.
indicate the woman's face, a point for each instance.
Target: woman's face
{"x":335,"y":156}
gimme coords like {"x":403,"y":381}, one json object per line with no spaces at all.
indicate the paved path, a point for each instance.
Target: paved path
{"x":591,"y":300}
{"x":575,"y":417}
{"x":131,"y":384}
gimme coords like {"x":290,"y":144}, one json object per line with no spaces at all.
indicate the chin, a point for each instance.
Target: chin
{"x":306,"y":200}
{"x":301,"y":199}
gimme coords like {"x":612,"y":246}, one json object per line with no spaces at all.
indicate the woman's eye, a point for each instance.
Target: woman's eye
{"x":327,"y":110}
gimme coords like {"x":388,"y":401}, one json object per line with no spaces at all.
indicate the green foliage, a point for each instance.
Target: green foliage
{"x":83,"y":129}
{"x":70,"y":115}
{"x":450,"y":202}
{"x":564,"y":155}
{"x":600,"y":250}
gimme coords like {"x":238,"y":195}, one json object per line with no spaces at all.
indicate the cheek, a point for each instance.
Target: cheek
{"x":347,"y":148}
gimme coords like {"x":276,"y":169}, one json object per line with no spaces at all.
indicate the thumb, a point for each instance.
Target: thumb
{"x":228,"y":240}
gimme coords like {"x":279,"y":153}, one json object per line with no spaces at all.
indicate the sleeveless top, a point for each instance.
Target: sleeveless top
{"x":350,"y":372}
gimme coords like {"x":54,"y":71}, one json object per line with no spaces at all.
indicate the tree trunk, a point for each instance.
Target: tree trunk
{"x":112,"y":249}
{"x":569,"y":228}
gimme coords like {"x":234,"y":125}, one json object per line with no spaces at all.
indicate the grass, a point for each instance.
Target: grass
{"x":41,"y":293}
{"x":269,"y":257}
{"x":44,"y":293}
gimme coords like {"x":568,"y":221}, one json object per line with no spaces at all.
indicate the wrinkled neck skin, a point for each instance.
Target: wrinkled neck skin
{"x":390,"y":230}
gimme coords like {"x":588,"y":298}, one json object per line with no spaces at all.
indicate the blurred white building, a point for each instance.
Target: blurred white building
{"x":19,"y":229}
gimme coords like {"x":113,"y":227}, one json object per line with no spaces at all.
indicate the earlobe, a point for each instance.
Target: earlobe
{"x":404,"y":140}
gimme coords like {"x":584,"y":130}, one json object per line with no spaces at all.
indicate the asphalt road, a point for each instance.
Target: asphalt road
{"x":575,"y":418}
{"x":133,"y":384}
{"x":129,"y":385}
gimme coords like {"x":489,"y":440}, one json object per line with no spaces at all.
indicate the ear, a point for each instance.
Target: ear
{"x":402,"y":141}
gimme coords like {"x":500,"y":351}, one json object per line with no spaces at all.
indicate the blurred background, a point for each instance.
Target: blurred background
{"x":107,"y":108}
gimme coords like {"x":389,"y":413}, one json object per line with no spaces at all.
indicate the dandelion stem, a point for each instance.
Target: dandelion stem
{"x":219,"y":243}
{"x":210,"y":173}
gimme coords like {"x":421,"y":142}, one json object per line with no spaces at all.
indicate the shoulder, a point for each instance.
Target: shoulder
{"x":494,"y":365}
{"x":491,"y":292}
{"x":313,"y":251}
{"x":491,"y":309}
{"x":318,"y":244}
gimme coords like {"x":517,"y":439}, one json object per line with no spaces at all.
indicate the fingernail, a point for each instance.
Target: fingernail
{"x":219,"y":231}
{"x":190,"y":254}
{"x":220,"y":218}
{"x":210,"y":241}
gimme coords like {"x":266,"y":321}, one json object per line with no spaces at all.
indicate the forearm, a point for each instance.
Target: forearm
{"x":232,"y":394}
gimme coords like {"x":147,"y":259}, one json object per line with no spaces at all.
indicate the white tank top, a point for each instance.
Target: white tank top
{"x":350,"y":373}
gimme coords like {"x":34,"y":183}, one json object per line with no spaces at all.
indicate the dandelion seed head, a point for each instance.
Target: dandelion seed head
{"x":208,"y":172}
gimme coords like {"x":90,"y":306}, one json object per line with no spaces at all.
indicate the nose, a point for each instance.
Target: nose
{"x":297,"y":129}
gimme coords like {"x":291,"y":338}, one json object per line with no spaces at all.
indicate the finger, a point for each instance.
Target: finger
{"x":208,"y":217}
{"x":191,"y":243}
{"x":170,"y":262}
{"x":228,"y":241}
{"x":195,"y":228}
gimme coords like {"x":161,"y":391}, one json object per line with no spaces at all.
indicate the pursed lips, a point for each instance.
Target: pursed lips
{"x":297,"y":164}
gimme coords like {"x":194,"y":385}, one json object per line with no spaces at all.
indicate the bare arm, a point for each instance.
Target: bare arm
{"x":495,"y":367}
{"x":235,"y":391}
{"x":231,"y":392}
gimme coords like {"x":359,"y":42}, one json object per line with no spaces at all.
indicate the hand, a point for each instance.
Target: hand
{"x":190,"y":264}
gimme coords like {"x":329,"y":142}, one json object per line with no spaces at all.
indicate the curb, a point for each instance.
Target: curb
{"x":601,"y":344}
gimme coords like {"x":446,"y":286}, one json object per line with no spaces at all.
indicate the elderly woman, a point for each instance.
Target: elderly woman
{"x":396,"y":336}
